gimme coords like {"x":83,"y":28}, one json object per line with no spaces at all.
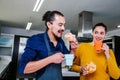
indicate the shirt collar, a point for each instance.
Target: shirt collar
{"x":49,"y":38}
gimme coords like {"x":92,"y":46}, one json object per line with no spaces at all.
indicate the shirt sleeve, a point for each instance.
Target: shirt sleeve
{"x":76,"y":64}
{"x":113,"y":68}
{"x":28,"y":55}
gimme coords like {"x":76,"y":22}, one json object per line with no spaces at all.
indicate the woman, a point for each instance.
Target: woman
{"x":104,"y":62}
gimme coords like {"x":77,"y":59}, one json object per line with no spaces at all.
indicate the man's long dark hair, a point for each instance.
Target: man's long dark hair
{"x":49,"y":16}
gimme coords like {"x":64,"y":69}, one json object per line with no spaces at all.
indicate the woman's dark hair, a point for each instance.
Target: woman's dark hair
{"x":100,"y":24}
{"x":50,"y":16}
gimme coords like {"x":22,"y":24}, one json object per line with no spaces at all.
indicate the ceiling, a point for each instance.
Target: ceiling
{"x":16,"y":13}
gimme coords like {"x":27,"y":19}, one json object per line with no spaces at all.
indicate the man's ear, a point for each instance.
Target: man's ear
{"x":49,"y":25}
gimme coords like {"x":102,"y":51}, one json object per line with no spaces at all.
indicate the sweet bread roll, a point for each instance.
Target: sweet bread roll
{"x":69,"y":37}
{"x":91,"y":67}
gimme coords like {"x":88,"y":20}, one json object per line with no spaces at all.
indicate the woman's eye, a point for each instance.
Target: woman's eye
{"x":102,"y":33}
{"x":96,"y":32}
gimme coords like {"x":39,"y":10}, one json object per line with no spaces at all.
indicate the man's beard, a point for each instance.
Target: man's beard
{"x":56,"y":37}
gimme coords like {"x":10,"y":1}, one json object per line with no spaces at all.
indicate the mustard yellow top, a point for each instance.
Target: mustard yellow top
{"x":85,"y":53}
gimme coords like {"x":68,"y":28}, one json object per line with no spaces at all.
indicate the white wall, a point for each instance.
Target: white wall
{"x":18,"y":31}
{"x":113,"y":33}
{"x":10,"y":32}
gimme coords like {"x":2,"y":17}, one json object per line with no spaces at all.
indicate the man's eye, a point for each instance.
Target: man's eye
{"x":60,"y":24}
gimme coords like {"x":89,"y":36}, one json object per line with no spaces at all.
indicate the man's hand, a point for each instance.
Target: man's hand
{"x":57,"y":58}
{"x":74,"y":44}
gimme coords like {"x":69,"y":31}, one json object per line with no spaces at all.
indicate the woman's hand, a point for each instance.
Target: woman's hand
{"x":105,"y":48}
{"x":83,"y":70}
{"x":88,"y":68}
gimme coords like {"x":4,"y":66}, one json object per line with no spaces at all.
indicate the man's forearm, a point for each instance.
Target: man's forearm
{"x":34,"y":66}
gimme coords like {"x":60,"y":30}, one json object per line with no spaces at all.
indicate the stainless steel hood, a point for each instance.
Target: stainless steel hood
{"x":86,"y":22}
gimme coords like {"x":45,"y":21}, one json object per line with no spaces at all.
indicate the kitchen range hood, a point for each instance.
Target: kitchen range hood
{"x":85,"y":24}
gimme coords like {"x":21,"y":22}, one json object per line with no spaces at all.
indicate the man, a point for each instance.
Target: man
{"x":44,"y":52}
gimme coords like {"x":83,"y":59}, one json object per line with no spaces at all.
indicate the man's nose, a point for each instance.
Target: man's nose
{"x":63,"y":27}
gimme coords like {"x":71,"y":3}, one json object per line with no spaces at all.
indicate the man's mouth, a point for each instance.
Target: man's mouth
{"x":60,"y":31}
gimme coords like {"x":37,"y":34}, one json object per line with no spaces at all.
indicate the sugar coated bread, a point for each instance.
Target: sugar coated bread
{"x":91,"y":67}
{"x":69,"y":37}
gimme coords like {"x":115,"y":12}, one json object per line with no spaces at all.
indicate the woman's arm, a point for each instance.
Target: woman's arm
{"x":76,"y":63}
{"x":113,"y":68}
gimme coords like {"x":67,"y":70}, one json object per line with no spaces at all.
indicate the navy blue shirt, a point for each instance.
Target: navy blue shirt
{"x":36,"y":49}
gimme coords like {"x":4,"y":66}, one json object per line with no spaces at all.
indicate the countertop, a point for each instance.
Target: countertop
{"x":67,"y":73}
{"x":4,"y":61}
